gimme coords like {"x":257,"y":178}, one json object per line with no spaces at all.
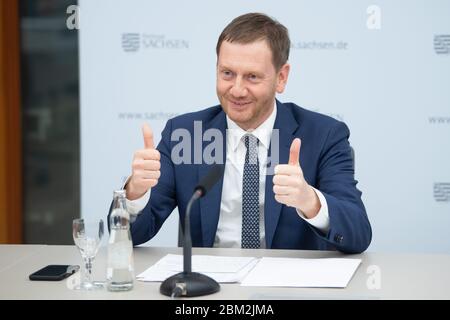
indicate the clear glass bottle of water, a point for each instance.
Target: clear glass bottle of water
{"x":120,"y":266}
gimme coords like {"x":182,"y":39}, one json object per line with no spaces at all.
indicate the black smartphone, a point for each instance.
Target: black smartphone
{"x":54,"y":272}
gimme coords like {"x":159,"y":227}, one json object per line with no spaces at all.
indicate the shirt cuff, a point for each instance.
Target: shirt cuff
{"x":136,"y":206}
{"x":322,"y":220}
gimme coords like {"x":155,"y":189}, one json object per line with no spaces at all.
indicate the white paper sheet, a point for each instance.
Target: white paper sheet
{"x":220,"y":268}
{"x":295,"y":272}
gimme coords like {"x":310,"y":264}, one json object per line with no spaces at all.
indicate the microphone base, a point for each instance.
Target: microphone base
{"x":195,"y":284}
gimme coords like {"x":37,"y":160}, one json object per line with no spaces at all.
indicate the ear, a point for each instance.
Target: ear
{"x":282,"y":77}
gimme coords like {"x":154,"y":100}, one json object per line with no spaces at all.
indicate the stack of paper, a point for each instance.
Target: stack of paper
{"x":295,"y":272}
{"x":265,"y":272}
{"x":222,"y":269}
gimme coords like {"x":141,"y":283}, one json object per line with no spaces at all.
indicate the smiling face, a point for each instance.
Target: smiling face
{"x":247,"y":82}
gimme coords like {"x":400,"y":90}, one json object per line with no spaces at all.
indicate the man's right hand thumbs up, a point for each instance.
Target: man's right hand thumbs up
{"x":145,"y":167}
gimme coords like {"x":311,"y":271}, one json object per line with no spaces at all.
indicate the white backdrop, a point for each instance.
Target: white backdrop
{"x":383,"y":71}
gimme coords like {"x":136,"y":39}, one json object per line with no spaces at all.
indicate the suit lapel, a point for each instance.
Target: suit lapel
{"x":210,"y":203}
{"x":286,"y":125}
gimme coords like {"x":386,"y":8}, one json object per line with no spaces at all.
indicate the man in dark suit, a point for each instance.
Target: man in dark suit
{"x":307,"y":201}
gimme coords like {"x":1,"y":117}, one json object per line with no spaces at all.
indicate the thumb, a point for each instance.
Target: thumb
{"x":294,"y":152}
{"x":148,"y":136}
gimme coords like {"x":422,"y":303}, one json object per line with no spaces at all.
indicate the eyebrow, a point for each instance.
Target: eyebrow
{"x":221,"y":66}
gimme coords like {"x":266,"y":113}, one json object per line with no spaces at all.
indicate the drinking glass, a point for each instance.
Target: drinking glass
{"x":87,"y":238}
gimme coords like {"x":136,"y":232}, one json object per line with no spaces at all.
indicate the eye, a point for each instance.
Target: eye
{"x":252,"y":77}
{"x":227,"y":74}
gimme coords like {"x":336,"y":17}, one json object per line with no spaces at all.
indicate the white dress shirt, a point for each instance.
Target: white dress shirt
{"x":229,"y":228}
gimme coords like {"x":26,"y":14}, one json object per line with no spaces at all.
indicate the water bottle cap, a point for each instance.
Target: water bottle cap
{"x":120,"y":192}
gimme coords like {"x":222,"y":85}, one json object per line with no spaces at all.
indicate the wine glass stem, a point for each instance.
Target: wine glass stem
{"x":88,"y":270}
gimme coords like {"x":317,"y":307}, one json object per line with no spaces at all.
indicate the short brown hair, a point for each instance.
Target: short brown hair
{"x":252,"y":27}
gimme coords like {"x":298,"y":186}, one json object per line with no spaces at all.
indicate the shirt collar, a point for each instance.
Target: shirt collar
{"x":263,"y":132}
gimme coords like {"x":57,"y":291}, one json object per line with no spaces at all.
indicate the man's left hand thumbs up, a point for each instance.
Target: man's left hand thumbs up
{"x":291,"y":188}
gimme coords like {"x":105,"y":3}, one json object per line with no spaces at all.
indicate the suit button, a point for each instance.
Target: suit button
{"x":338,"y":238}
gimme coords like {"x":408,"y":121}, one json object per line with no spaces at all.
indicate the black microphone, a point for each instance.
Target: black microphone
{"x":188,"y":283}
{"x":208,"y":181}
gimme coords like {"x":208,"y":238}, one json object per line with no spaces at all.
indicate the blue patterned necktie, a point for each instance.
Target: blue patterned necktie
{"x":250,"y":195}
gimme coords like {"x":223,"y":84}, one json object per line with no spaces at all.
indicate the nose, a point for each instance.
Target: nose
{"x":238,"y":90}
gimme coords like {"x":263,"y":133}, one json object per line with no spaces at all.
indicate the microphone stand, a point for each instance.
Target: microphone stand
{"x":188,"y":283}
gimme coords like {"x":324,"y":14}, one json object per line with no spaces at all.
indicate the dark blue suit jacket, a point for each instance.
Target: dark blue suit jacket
{"x":327,"y":165}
